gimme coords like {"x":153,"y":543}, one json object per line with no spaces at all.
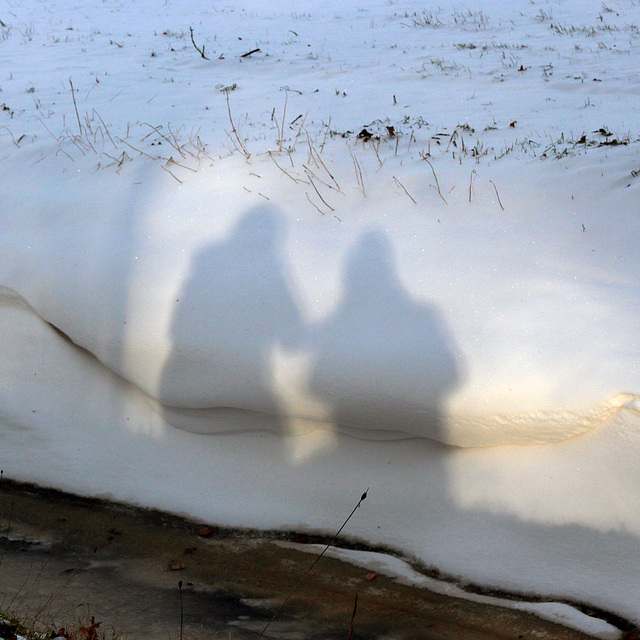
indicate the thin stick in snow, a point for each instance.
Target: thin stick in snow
{"x":435,"y":178}
{"x":310,"y":157}
{"x":233,"y":128}
{"x":314,"y":204}
{"x":376,"y":148}
{"x":136,"y":149}
{"x":171,"y":174}
{"x":316,"y":189}
{"x":358,"y":171}
{"x":326,"y":184}
{"x":105,"y":128}
{"x":73,"y":95}
{"x":286,"y":173}
{"x":324,"y":166}
{"x":313,"y":564}
{"x":404,"y":189}
{"x":200,"y":51}
{"x":325,"y":135}
{"x":295,"y":140}
{"x":497,"y":194}
{"x":173,"y":143}
{"x":284,"y":114}
{"x":47,"y":128}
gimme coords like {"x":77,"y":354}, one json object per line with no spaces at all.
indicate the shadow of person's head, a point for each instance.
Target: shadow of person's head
{"x":384,"y":357}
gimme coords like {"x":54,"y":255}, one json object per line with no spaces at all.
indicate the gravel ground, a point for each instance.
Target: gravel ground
{"x":146,"y":575}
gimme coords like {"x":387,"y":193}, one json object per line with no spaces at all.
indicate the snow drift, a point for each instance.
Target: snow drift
{"x":255,"y":338}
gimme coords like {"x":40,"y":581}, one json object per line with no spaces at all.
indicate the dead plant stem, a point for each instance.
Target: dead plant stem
{"x":316,"y":190}
{"x":497,"y":194}
{"x":435,"y":178}
{"x":73,"y":95}
{"x":404,"y":189}
{"x":233,"y":127}
{"x":313,"y":564}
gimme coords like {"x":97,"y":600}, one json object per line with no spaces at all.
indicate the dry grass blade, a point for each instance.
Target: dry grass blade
{"x":325,"y":135}
{"x":73,"y":95}
{"x":284,"y":115}
{"x":315,"y":175}
{"x":358,"y":171}
{"x":167,"y":139}
{"x":404,"y":189}
{"x":324,"y":166}
{"x":286,"y":173}
{"x":363,"y":497}
{"x":316,"y":190}
{"x":353,"y":618}
{"x":318,"y":209}
{"x":242,"y":148}
{"x":435,"y":177}
{"x":497,"y":194}
{"x":105,"y":128}
{"x":295,"y":140}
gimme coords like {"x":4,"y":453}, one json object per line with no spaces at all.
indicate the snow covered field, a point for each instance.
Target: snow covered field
{"x":255,"y":260}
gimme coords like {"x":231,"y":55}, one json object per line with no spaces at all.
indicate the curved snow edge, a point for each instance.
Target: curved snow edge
{"x":543,"y":427}
{"x":595,"y":622}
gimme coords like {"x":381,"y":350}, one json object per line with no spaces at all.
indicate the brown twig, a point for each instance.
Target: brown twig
{"x":325,"y":135}
{"x":324,"y":166}
{"x":436,"y":179}
{"x":318,"y":178}
{"x":404,"y":189}
{"x":286,"y":173}
{"x":358,"y":172}
{"x":73,"y":95}
{"x":105,"y":128}
{"x":136,"y":149}
{"x":295,"y":140}
{"x":284,"y":114}
{"x":320,"y":211}
{"x":315,"y":562}
{"x":171,"y":142}
{"x":316,"y":190}
{"x":497,"y":194}
{"x":233,"y":127}
{"x":200,"y":51}
{"x":171,"y":174}
{"x":353,"y":617}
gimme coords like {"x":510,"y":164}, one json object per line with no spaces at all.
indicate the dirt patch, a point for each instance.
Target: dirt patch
{"x":146,"y":574}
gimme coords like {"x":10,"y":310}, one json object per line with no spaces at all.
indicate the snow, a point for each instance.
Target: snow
{"x":225,"y":303}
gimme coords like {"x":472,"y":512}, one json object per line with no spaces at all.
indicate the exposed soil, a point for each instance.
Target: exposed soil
{"x":64,"y":558}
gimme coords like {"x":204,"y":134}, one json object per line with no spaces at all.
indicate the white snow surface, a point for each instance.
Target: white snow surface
{"x":217,"y":299}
